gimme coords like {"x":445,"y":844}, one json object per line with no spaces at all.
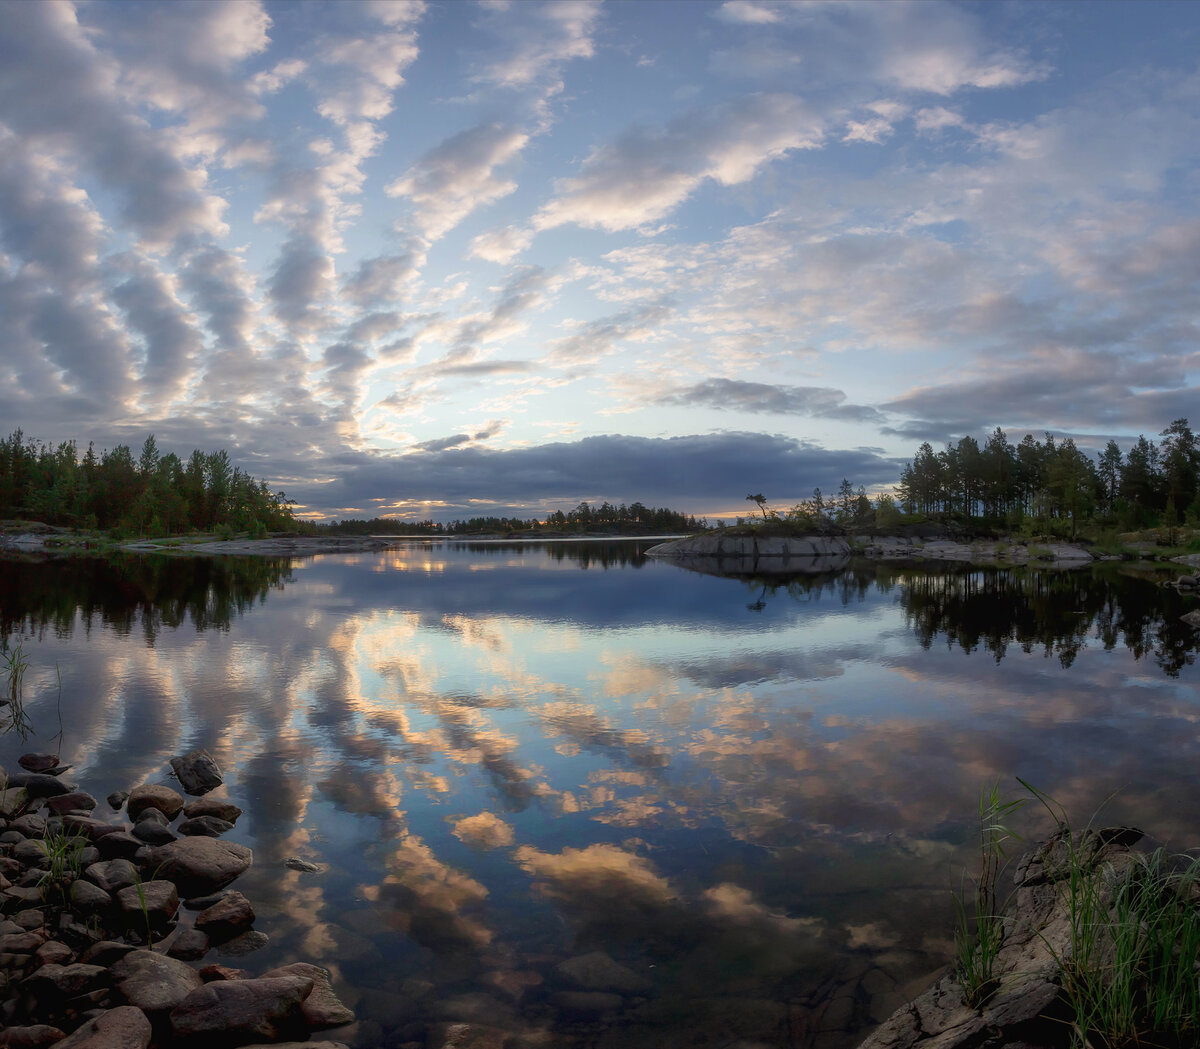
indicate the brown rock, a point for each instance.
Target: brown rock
{"x":88,"y":898}
{"x":208,"y":826}
{"x":112,"y":875}
{"x":190,"y":945}
{"x":215,"y":807}
{"x":221,"y":972}
{"x":119,"y":845}
{"x":53,"y":952}
{"x":154,"y":796}
{"x":154,"y":901}
{"x":76,"y":801}
{"x":238,"y":1012}
{"x":200,"y":865}
{"x":153,"y":982}
{"x":38,"y":1036}
{"x":38,"y":762}
{"x":57,"y":982}
{"x":322,"y":1008}
{"x":228,"y":917}
{"x":122,"y":1028}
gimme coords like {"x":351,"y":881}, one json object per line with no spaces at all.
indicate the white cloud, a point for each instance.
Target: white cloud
{"x":500,"y":245}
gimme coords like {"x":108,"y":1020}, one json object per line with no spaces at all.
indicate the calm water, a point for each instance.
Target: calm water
{"x":753,"y":798}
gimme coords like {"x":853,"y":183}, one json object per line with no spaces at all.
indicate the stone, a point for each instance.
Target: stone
{"x":468,"y":1036}
{"x":294,"y":863}
{"x":322,"y":1008}
{"x":208,"y":826}
{"x":200,"y":865}
{"x":221,"y":972}
{"x":54,"y":952}
{"x":75,"y":801}
{"x":202,"y":903}
{"x":88,"y":898}
{"x":59,"y":982}
{"x":198,"y":773}
{"x":105,"y":952}
{"x":247,"y":943}
{"x":297,"y":1045}
{"x":29,"y":851}
{"x":112,"y":875}
{"x":598,"y":972}
{"x":235,"y":1012}
{"x":36,"y":1036}
{"x":32,"y":825}
{"x":117,"y":798}
{"x":43,"y":762}
{"x":215,"y":807}
{"x":230,"y":916}
{"x":155,"y":902}
{"x":120,"y":844}
{"x":39,"y":784}
{"x":124,"y":1027}
{"x":1192,"y":618}
{"x":12,"y":801}
{"x":152,"y":828}
{"x":190,"y":945}
{"x":154,"y":796}
{"x":88,"y":827}
{"x":153,"y":982}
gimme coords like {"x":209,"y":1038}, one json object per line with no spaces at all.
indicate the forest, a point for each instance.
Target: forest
{"x":150,"y":495}
{"x":1148,"y":485}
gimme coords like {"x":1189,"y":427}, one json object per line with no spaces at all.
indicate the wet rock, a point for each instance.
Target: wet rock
{"x":198,"y":773}
{"x":230,"y":916}
{"x":322,"y":1008}
{"x":153,"y":982}
{"x":208,"y":826}
{"x":112,"y":875}
{"x":215,"y":807}
{"x":154,"y":796}
{"x":37,"y":1036}
{"x":75,"y":801}
{"x":237,"y":1012}
{"x":124,"y":1027}
{"x":598,"y":972}
{"x":200,"y":865}
{"x":190,"y":945}
{"x":39,"y":762}
{"x":155,"y":902}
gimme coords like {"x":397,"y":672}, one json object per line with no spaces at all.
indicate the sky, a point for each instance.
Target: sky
{"x":449,"y":259}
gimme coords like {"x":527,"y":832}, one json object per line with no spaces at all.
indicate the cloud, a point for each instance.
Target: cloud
{"x":736,"y":395}
{"x":537,"y":39}
{"x":501,"y":245}
{"x":647,"y":172}
{"x":303,"y":277}
{"x":456,"y":177}
{"x":747,"y":12}
{"x":602,"y":336}
{"x":383,"y":279}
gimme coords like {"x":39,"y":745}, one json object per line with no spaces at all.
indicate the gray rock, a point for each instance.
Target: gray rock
{"x":112,"y":875}
{"x":153,"y":982}
{"x":122,"y":1028}
{"x":230,"y":916}
{"x":154,"y":796}
{"x":294,"y":863}
{"x":200,"y":865}
{"x":208,"y":826}
{"x":216,"y":807}
{"x":32,"y":825}
{"x":197,"y":771}
{"x":29,"y":851}
{"x":322,"y":1008}
{"x":237,"y":1012}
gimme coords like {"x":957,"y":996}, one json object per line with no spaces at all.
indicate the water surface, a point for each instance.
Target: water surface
{"x":595,"y":800}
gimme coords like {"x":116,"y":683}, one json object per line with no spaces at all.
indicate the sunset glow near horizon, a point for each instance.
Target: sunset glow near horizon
{"x":450,"y":259}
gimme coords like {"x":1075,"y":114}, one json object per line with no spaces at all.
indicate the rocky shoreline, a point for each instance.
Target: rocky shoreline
{"x":101,"y":921}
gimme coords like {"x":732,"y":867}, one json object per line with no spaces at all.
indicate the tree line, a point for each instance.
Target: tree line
{"x":1150,"y":484}
{"x":153,"y":494}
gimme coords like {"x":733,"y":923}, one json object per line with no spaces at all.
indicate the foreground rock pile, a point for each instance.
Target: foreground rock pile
{"x":93,"y":951}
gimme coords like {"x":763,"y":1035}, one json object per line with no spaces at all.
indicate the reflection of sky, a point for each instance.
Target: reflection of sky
{"x":503,"y":760}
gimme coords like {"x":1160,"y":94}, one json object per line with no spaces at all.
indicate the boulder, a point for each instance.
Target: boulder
{"x":190,"y":945}
{"x":56,"y":983}
{"x":198,"y":773}
{"x":111,"y":875}
{"x":239,"y":1012}
{"x":154,"y":796}
{"x":153,"y":982}
{"x":155,"y":902}
{"x":228,"y":917}
{"x":222,"y":810}
{"x":322,"y":1008}
{"x":118,"y":845}
{"x":200,"y":865}
{"x":43,"y":762}
{"x":152,"y":827}
{"x":208,"y":826}
{"x":117,"y":798}
{"x":76,"y":801}
{"x":122,"y":1028}
{"x":39,"y":784}
{"x":87,"y":897}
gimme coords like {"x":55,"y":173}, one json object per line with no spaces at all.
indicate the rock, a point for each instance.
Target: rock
{"x":112,"y":875}
{"x":155,"y":902}
{"x":1192,"y":618}
{"x":12,"y":801}
{"x":53,"y":952}
{"x":120,"y":844}
{"x":200,"y":865}
{"x":197,"y":771}
{"x":322,"y":1008}
{"x":1185,"y":581}
{"x":89,"y":827}
{"x":228,"y":917}
{"x":598,"y":972}
{"x":38,"y":784}
{"x":76,"y":801}
{"x":190,"y":945}
{"x":153,"y":982}
{"x":124,"y":1027}
{"x":294,"y":863}
{"x":237,"y":1012}
{"x":221,"y":972}
{"x":45,"y":762}
{"x":38,"y":1036}
{"x":247,"y":943}
{"x":297,"y":1045}
{"x":202,"y":903}
{"x":152,"y":828}
{"x":468,"y":1036}
{"x":154,"y":796}
{"x":31,"y":851}
{"x":32,"y":825}
{"x":105,"y":952}
{"x":117,"y":798}
{"x":215,"y":807}
{"x":208,"y":826}
{"x":88,"y":898}
{"x":59,"y":982}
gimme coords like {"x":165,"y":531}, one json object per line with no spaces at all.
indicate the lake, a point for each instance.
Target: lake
{"x":590,"y":799}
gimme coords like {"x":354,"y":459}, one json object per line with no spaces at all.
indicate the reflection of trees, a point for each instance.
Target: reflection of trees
{"x":1056,"y":611}
{"x":125,"y":590}
{"x":587,"y":554}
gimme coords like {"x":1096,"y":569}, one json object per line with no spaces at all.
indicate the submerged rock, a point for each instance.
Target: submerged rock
{"x":234,"y":1012}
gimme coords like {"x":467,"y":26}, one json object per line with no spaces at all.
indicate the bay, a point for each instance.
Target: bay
{"x":589,"y":799}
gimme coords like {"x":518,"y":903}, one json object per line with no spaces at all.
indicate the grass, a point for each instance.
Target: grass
{"x":1131,"y":972}
{"x":64,"y":859}
{"x":13,"y":664}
